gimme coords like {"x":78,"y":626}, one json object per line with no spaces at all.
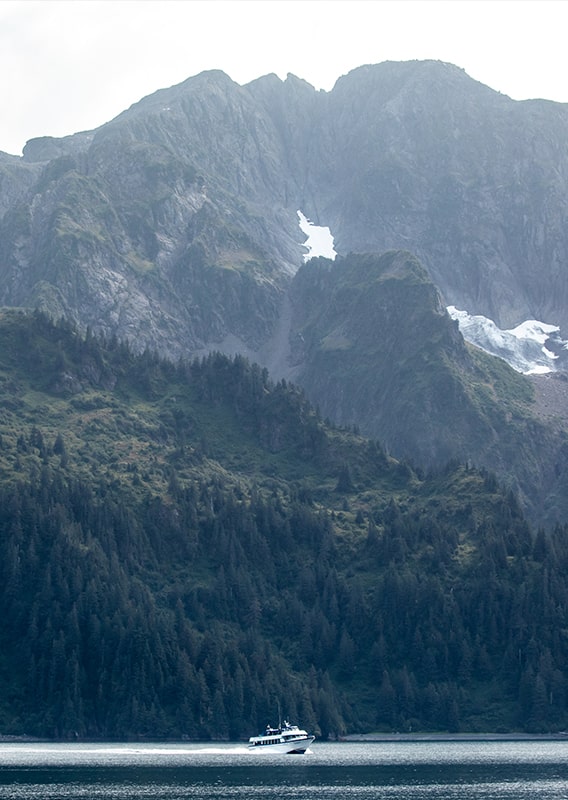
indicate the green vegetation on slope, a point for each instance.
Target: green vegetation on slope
{"x":185,"y":545}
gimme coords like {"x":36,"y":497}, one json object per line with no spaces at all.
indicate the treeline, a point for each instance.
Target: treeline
{"x":63,"y":362}
{"x":196,"y":615}
{"x":120,"y":622}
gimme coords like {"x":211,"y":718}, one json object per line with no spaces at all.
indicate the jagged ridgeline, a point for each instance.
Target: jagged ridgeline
{"x":185,"y":545}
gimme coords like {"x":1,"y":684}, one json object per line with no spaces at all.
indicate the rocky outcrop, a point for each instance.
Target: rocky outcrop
{"x":374,"y":348}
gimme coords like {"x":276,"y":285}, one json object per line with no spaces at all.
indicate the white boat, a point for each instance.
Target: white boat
{"x":285,"y":738}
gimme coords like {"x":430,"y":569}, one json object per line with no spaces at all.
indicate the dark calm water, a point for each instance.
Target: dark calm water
{"x":525,"y":770}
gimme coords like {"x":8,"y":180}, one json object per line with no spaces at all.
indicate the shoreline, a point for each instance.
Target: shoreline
{"x":348,"y":738}
{"x":453,"y":737}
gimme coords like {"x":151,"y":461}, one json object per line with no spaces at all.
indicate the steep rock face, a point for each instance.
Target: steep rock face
{"x":15,"y":181}
{"x":419,"y":156}
{"x":124,"y":233}
{"x":374,"y":348}
{"x":411,"y":155}
{"x":216,"y":126}
{"x":472,"y":182}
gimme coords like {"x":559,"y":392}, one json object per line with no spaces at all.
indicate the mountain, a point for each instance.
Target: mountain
{"x":175,"y":226}
{"x":184,"y":545}
{"x":411,"y":155}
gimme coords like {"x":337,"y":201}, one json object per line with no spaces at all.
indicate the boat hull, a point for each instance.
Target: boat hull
{"x":295,"y":746}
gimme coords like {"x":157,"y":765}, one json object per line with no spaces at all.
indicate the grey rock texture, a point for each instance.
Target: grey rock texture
{"x":412,"y":155}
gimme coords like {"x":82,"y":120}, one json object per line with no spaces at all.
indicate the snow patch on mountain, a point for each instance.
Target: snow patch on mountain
{"x":532,"y":347}
{"x":319,"y":241}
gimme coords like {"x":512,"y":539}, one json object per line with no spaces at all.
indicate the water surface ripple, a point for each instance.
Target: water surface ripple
{"x":527,"y":770}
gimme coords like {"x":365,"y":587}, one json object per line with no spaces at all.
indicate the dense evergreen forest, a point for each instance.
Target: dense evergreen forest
{"x":185,"y":546}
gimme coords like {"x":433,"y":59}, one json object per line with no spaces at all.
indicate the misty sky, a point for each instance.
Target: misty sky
{"x":70,"y":65}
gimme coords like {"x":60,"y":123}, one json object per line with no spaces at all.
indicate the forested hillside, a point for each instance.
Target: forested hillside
{"x":184,"y":546}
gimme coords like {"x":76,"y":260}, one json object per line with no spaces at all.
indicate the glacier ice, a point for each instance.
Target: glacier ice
{"x":531,"y":347}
